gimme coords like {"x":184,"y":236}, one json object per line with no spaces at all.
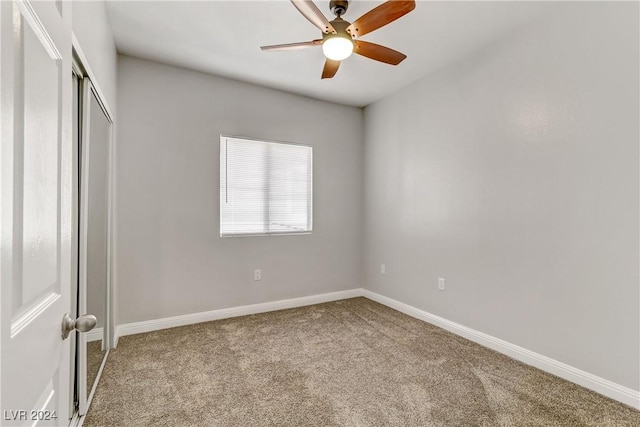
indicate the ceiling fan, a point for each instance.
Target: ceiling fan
{"x":340,"y":38}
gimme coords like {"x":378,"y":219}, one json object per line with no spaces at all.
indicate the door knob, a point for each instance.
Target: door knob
{"x":83,"y":323}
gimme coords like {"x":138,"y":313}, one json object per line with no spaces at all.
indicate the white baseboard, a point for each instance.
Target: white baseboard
{"x":599,"y":385}
{"x":225,"y":313}
{"x":96,"y":334}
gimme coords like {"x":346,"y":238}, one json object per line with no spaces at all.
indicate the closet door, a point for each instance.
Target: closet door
{"x":94,"y":239}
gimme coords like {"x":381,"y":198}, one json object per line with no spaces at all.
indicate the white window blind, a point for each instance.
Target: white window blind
{"x":265,"y":187}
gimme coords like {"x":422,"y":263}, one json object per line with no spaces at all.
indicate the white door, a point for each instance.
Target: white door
{"x":36,"y":220}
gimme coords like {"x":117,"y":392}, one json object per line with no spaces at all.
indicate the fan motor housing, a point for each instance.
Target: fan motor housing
{"x":340,"y":25}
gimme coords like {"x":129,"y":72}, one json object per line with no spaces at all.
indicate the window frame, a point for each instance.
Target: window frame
{"x":310,"y":184}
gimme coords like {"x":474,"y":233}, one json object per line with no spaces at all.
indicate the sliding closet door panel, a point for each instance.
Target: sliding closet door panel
{"x":94,"y":238}
{"x":99,"y":135}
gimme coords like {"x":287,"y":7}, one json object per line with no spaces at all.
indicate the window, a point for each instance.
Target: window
{"x":265,"y":187}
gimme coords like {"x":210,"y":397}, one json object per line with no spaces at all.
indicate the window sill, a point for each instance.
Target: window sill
{"x":287,"y":233}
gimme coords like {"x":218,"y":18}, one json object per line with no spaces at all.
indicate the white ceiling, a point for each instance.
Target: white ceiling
{"x":223,"y":38}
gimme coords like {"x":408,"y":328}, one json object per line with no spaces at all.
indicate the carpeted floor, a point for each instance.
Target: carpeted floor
{"x":94,"y":360}
{"x":346,"y":363}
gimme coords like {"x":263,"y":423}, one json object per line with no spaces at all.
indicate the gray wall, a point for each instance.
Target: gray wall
{"x":170,"y":257}
{"x":514,"y":175}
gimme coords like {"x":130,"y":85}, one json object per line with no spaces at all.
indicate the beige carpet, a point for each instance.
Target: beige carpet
{"x":94,"y":360}
{"x":345,"y":363}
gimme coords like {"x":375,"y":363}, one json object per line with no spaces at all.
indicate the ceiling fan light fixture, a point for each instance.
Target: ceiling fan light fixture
{"x":337,"y":48}
{"x":341,"y":38}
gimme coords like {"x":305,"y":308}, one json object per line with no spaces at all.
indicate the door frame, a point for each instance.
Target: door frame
{"x":88,"y":87}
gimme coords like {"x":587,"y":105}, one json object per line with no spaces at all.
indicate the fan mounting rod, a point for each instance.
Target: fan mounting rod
{"x":338,"y":7}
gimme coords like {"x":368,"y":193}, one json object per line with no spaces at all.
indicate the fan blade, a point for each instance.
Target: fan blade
{"x":380,"y":16}
{"x":377,"y":52}
{"x":292,"y":46}
{"x":310,"y":11}
{"x":330,"y":68}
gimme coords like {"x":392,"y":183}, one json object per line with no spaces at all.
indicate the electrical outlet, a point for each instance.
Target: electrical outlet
{"x":383,"y":269}
{"x":441,"y":284}
{"x":257,"y":275}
